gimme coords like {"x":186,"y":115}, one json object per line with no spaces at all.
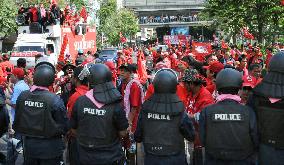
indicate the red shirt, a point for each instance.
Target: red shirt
{"x":268,"y":58}
{"x":6,"y":64}
{"x":135,"y":101}
{"x":80,"y":91}
{"x":135,"y":95}
{"x":210,"y":86}
{"x":196,"y":103}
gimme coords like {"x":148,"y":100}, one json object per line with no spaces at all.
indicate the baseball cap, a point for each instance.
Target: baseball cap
{"x":215,"y":66}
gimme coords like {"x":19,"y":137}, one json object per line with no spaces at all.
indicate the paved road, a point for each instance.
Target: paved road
{"x":3,"y":149}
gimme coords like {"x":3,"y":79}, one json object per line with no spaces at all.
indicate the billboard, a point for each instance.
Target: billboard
{"x":180,"y":31}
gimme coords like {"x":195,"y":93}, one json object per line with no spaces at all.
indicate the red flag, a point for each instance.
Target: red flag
{"x":63,"y":48}
{"x":201,"y":49}
{"x":141,"y":67}
{"x":84,"y":13}
{"x":247,"y":34}
{"x":122,"y":38}
{"x":53,"y":1}
{"x":224,"y":45}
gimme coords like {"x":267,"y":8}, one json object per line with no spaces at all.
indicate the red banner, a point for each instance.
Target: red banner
{"x":25,"y":54}
{"x":177,"y":39}
{"x":86,"y":42}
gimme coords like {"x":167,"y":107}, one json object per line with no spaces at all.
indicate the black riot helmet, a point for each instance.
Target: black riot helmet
{"x":44,"y":74}
{"x":276,"y":63}
{"x":99,"y":74}
{"x":165,"y":81}
{"x":229,"y":78}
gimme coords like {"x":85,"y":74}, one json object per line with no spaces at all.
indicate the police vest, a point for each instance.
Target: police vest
{"x":161,"y":130}
{"x":33,"y":115}
{"x":95,"y":125}
{"x":270,"y":122}
{"x":228,"y":131}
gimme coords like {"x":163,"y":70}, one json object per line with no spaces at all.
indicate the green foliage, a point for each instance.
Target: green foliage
{"x":108,"y":8}
{"x":113,"y":21}
{"x":263,"y":17}
{"x":79,"y":3}
{"x":123,"y":21}
{"x":8,"y":11}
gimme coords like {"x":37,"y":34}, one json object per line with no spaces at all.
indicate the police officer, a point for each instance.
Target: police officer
{"x":163,"y":124}
{"x":228,"y":129}
{"x":4,"y":121}
{"x":99,"y":119}
{"x":41,"y":118}
{"x":267,"y":101}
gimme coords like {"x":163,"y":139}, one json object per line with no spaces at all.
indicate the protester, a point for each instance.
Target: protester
{"x":212,"y":70}
{"x":17,"y":78}
{"x":81,"y":88}
{"x":133,"y":94}
{"x":198,"y":98}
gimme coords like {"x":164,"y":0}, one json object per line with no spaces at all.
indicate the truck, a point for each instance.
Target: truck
{"x":32,"y":40}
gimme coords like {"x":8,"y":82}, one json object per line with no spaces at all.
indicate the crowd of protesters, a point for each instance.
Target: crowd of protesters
{"x":49,"y":15}
{"x":168,"y":19}
{"x":196,"y":86}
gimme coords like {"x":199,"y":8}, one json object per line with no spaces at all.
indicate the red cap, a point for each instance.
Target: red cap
{"x":18,"y":72}
{"x":215,"y":66}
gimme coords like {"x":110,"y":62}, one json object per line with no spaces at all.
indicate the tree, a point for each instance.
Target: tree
{"x":108,"y":8}
{"x":261,"y":16}
{"x":8,"y":11}
{"x":123,"y":21}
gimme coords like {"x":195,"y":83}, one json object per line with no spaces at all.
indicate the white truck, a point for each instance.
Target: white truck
{"x":49,"y":43}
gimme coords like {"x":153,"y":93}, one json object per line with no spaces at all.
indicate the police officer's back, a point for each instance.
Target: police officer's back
{"x":163,"y":124}
{"x":267,"y":101}
{"x":99,"y":120}
{"x":41,"y":119}
{"x":228,"y":129}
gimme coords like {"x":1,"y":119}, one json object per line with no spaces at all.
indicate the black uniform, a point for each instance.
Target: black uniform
{"x":98,"y":118}
{"x":229,"y":133}
{"x":228,"y":130}
{"x":267,"y":101}
{"x":42,"y":120}
{"x":163,"y":125}
{"x":97,"y":131}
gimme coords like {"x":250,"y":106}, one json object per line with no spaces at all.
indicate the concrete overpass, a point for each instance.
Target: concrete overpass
{"x":175,"y":24}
